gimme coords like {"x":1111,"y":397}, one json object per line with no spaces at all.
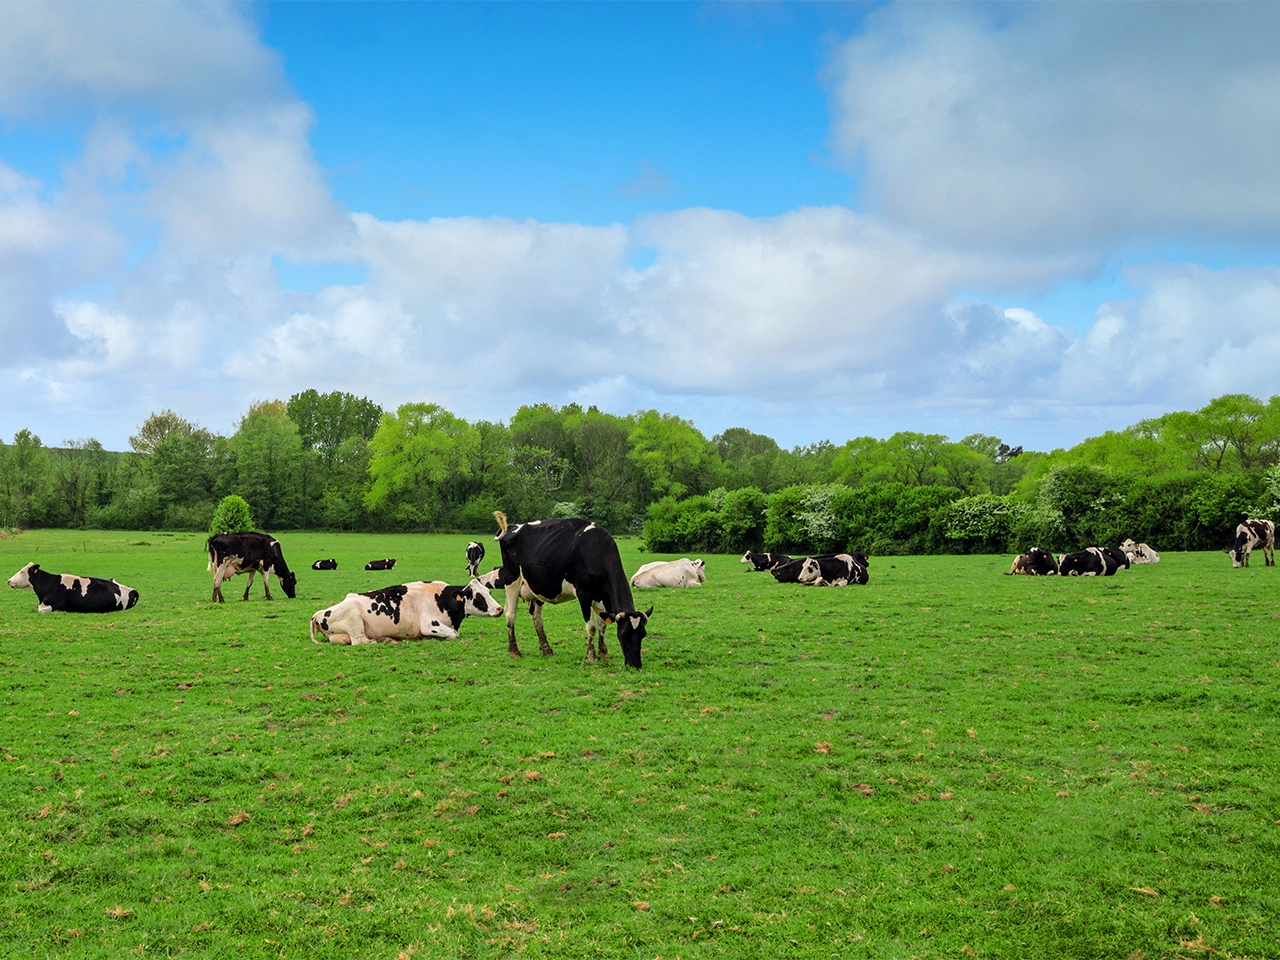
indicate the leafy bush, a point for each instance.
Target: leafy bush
{"x":231,"y":516}
{"x":983,"y":524}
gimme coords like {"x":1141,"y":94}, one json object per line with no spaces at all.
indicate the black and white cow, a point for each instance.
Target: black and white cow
{"x":1090,"y":562}
{"x":388,"y":564}
{"x":406,"y":611}
{"x":1139,"y":552}
{"x":67,"y":594}
{"x":1118,"y":557}
{"x":763,"y":561}
{"x":329,"y":564}
{"x":835,"y":571}
{"x":1251,"y":534}
{"x":551,"y":557}
{"x":475,"y":553}
{"x":1036,"y":563}
{"x":246,"y":552}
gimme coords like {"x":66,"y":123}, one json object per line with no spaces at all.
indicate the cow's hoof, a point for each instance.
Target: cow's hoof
{"x":516,"y":654}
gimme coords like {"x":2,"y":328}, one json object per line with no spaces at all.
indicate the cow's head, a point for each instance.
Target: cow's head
{"x":631,"y":630}
{"x":747,"y":557}
{"x":1071,"y":564}
{"x":289,"y":583}
{"x":810,"y":570}
{"x":701,"y":567}
{"x":477,"y":601}
{"x":22,"y":579}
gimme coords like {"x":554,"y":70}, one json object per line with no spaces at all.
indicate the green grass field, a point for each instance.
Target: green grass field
{"x":945,"y":763}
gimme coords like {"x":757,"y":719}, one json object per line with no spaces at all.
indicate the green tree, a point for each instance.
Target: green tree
{"x":231,"y":516}
{"x":326,"y":420}
{"x":417,"y":456}
{"x":671,"y":453}
{"x":24,"y":481}
{"x":269,"y":465}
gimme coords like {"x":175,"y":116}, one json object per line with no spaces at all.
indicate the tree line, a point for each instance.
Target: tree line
{"x":337,"y":461}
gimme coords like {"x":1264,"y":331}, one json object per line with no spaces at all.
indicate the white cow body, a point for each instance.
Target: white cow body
{"x":670,"y":573}
{"x":1139,"y":552}
{"x":403,"y":612}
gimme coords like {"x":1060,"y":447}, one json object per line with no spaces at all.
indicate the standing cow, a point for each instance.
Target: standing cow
{"x":475,"y":553}
{"x":1250,"y":534}
{"x":491,"y":580}
{"x":231,"y":554}
{"x":551,"y":556}
{"x":67,"y":594}
{"x":406,"y":611}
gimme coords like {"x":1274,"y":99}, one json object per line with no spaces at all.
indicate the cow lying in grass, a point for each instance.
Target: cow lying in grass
{"x":828,"y":570}
{"x":763,"y":561}
{"x":670,"y":573}
{"x":1139,"y":552}
{"x":67,"y":594}
{"x":406,"y":611}
{"x":1092,"y":562}
{"x":1035,"y":563}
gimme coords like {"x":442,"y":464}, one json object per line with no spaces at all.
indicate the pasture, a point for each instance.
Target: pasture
{"x":946,"y":762}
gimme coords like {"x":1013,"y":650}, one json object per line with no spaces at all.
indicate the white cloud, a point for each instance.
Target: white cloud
{"x":1054,"y":125}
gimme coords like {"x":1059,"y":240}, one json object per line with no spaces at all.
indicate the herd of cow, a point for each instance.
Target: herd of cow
{"x":547,"y":561}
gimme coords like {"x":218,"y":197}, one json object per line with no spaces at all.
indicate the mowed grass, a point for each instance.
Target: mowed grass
{"x":944,"y":763}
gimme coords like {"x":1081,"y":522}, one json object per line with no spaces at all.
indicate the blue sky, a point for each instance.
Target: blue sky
{"x":817,"y":221}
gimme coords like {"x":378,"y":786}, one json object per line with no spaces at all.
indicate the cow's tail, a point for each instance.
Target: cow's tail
{"x":209,"y":546}
{"x":502,"y":523}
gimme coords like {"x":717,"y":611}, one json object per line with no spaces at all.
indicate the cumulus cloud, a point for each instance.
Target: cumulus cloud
{"x":1055,"y":125}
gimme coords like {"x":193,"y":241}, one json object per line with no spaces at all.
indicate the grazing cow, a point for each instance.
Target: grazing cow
{"x":837,"y":571}
{"x":231,"y":554}
{"x":670,"y":573}
{"x":1090,"y":562}
{"x":1036,"y":563}
{"x":475,"y":553}
{"x":1250,"y":534}
{"x":389,"y":564}
{"x":1139,"y":552}
{"x":329,"y":564}
{"x":491,"y":581}
{"x":406,"y":611}
{"x":68,"y":594}
{"x":763,"y":561}
{"x":551,"y":556}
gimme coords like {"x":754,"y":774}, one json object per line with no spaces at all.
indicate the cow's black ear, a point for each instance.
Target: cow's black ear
{"x":649,"y":613}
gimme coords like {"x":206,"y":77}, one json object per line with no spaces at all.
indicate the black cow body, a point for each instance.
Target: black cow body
{"x":763,"y":561}
{"x":475,"y":553}
{"x":1250,"y":534}
{"x":67,"y":594}
{"x":231,"y":554}
{"x":329,"y":564}
{"x":1090,"y":562}
{"x":1036,"y":563}
{"x":1117,"y":556}
{"x":388,"y":564}
{"x":552,"y":557}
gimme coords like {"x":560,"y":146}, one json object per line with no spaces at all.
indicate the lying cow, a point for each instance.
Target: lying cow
{"x":475,"y":553}
{"x":1250,"y":534}
{"x":1036,"y":563}
{"x":567,"y":593}
{"x":1139,"y":552}
{"x":1090,"y":562}
{"x":827,"y":570}
{"x":231,"y":554}
{"x":388,"y":564}
{"x":670,"y":573}
{"x":403,"y":612}
{"x":67,"y":594}
{"x":840,"y":570}
{"x":329,"y":564}
{"x":764,"y":561}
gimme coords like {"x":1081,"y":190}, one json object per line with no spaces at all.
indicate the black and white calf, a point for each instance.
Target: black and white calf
{"x":552,"y":556}
{"x":406,"y":611}
{"x":329,"y":564}
{"x":388,"y":564}
{"x":763,"y":561}
{"x":1090,"y":562}
{"x":231,"y":554}
{"x":1036,"y":563}
{"x":67,"y":594}
{"x":1251,"y":534}
{"x":475,"y":553}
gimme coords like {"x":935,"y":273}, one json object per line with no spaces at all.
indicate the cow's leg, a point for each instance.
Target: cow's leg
{"x":219,"y":575}
{"x":535,"y":611}
{"x":266,"y":582}
{"x":513,"y":607}
{"x":248,"y":585}
{"x":1270,"y":554}
{"x":597,"y":612}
